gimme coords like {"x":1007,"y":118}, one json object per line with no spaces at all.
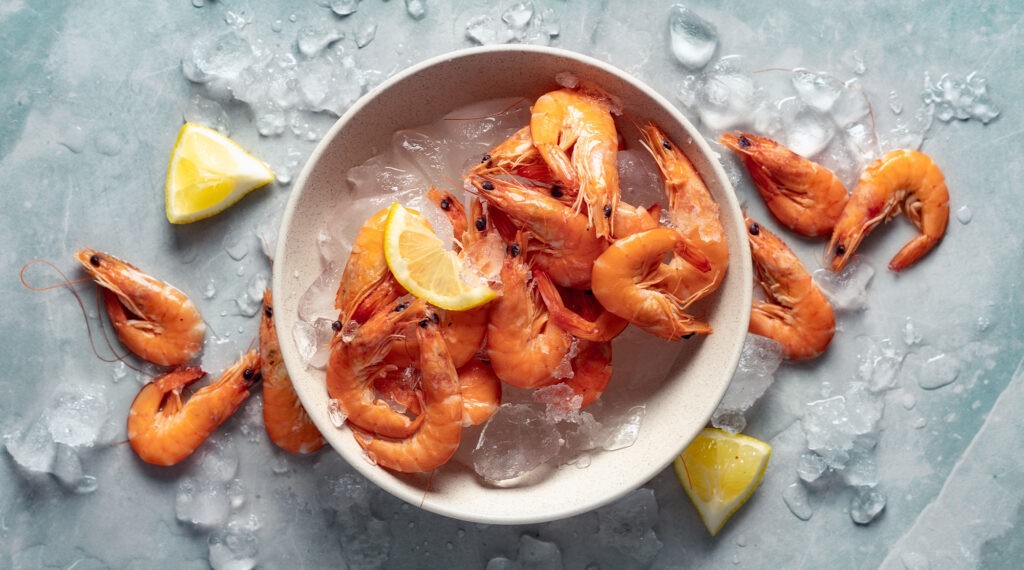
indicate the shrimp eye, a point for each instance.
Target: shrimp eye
{"x":248,"y":373}
{"x":481,"y":224}
{"x":556,"y":192}
{"x":744,"y":141}
{"x":436,"y":317}
{"x":667,"y":145}
{"x":95,"y":260}
{"x":485,"y":159}
{"x":446,"y":204}
{"x":336,"y":326}
{"x":401,"y":307}
{"x":487,"y":185}
{"x":268,"y":311}
{"x":607,"y":210}
{"x":424,"y":323}
{"x":686,"y":336}
{"x":755,"y":229}
{"x":841,"y":249}
{"x":514,"y":250}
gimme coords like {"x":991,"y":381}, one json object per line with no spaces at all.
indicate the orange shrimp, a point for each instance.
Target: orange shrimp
{"x":286,"y":421}
{"x":354,"y":363}
{"x":517,"y":155}
{"x":366,"y":282}
{"x":453,"y":210}
{"x":626,"y":283}
{"x":163,"y":430}
{"x":580,"y":119}
{"x":523,"y":344}
{"x":631,"y":219}
{"x":598,"y":324}
{"x":797,"y":314}
{"x":802,"y":195}
{"x":904,"y":181}
{"x":695,"y":215}
{"x":440,"y":432}
{"x":154,"y":320}
{"x":592,"y":369}
{"x":481,"y":392}
{"x":564,"y":245}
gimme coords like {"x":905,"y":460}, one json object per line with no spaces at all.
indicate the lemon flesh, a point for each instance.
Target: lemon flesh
{"x":420,"y":263}
{"x":208,"y":173}
{"x":720,"y":471}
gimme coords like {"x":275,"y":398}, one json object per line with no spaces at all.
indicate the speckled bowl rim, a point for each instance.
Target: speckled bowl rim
{"x":569,"y":490}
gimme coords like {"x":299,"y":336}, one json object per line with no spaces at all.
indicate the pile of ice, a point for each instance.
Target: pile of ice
{"x":754,"y":374}
{"x":519,"y":23}
{"x":960,"y":99}
{"x":75,"y":421}
{"x":846,"y":290}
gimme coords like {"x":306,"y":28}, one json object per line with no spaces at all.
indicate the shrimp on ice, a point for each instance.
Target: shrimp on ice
{"x":438,"y":435}
{"x":354,"y":363}
{"x":163,"y":430}
{"x":796,"y":314}
{"x":152,"y":319}
{"x":904,"y":181}
{"x":580,"y":119}
{"x":802,"y":195}
{"x":523,"y":344}
{"x":695,"y":215}
{"x":627,"y":283}
{"x":286,"y":421}
{"x":366,"y":282}
{"x":562,"y":243}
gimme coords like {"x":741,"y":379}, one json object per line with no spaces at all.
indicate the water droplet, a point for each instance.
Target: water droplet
{"x":895,"y":105}
{"x":344,"y":7}
{"x":964,"y":215}
{"x":416,"y":8}
{"x":335,"y":413}
{"x":796,"y":499}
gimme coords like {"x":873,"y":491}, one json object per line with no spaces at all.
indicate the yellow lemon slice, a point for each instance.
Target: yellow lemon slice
{"x":209,"y":172}
{"x":420,"y":262}
{"x":719,"y":471}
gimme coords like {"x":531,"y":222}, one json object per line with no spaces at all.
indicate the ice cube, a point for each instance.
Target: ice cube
{"x":312,"y":40}
{"x":833,"y":425}
{"x":313,"y":341}
{"x":879,"y":364}
{"x":964,"y":215}
{"x":759,"y":360}
{"x":796,"y":498}
{"x":861,"y":470}
{"x":627,"y":525}
{"x":220,"y":57}
{"x":561,"y":402}
{"x":32,"y":447}
{"x":866,"y":505}
{"x":819,"y":90}
{"x":846,"y":290}
{"x":318,"y":300}
{"x":811,"y":467}
{"x":809,"y":132}
{"x":335,"y":413}
{"x":693,"y":39}
{"x":727,"y":94}
{"x":484,"y":30}
{"x":235,"y":547}
{"x":251,"y":300}
{"x":365,"y":32}
{"x":202,"y":504}
{"x":77,"y":414}
{"x":622,"y":432}
{"x":417,"y":9}
{"x":516,"y":440}
{"x":518,"y":16}
{"x":207,"y":112}
{"x":850,"y":105}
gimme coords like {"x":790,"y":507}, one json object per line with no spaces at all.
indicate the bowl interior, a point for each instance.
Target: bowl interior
{"x":675,"y":409}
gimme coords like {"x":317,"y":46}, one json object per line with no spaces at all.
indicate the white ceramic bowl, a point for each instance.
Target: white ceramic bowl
{"x":676,"y":409}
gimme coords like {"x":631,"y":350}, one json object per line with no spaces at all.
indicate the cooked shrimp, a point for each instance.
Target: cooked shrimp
{"x":585,"y":318}
{"x":591,"y":371}
{"x":453,"y":210}
{"x":580,"y":119}
{"x":523,"y":344}
{"x":563,"y":244}
{"x":481,"y":392}
{"x":366,"y":282}
{"x":802,"y":195}
{"x":516,"y":155}
{"x":286,"y":421}
{"x":354,"y":363}
{"x":625,"y":282}
{"x":631,"y":219}
{"x":154,"y":320}
{"x":695,"y":215}
{"x":797,"y":314}
{"x":440,"y":432}
{"x":904,"y":181}
{"x":163,"y":430}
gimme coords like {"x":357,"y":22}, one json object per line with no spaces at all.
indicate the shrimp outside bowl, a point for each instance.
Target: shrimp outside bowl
{"x":380,"y":151}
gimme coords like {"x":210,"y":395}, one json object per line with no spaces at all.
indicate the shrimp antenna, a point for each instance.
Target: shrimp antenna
{"x":81,"y":304}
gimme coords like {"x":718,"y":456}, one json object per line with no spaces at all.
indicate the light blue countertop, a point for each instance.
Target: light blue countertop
{"x":923,"y":380}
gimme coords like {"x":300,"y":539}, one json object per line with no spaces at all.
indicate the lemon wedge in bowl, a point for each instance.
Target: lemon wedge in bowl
{"x":420,"y":263}
{"x":720,"y":471}
{"x":208,"y":173}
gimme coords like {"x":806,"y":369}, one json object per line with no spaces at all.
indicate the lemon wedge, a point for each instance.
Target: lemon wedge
{"x":420,"y":262}
{"x":209,"y":172}
{"x":720,"y":471}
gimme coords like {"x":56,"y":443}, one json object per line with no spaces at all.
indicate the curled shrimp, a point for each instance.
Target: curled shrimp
{"x":439,"y":433}
{"x":580,"y":119}
{"x":904,"y":181}
{"x":286,"y":421}
{"x":802,"y":195}
{"x":796,"y":314}
{"x":353,"y":364}
{"x":591,"y":371}
{"x":626,"y":283}
{"x":562,"y":243}
{"x":152,"y":319}
{"x":695,"y":215}
{"x":163,"y":430}
{"x":523,"y":344}
{"x":366,"y":282}
{"x":631,"y":219}
{"x":481,"y":392}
